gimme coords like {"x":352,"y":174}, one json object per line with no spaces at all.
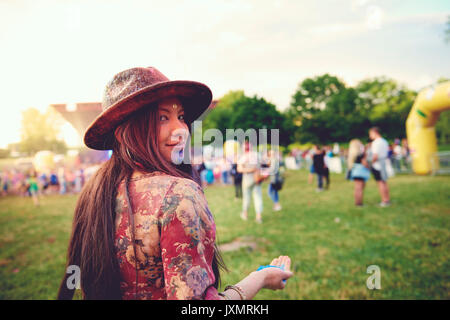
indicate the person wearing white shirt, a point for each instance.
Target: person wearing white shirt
{"x":379,"y":150}
{"x":247,"y":164}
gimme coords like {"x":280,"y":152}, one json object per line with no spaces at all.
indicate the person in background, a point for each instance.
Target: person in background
{"x":328,"y":154}
{"x":209,"y":171}
{"x":70,"y":179}
{"x":33,"y":189}
{"x":43,"y":183}
{"x":275,"y":181}
{"x":6,"y":182}
{"x":390,"y":151}
{"x":319,"y":166}
{"x":62,"y":180}
{"x":380,"y":149}
{"x":78,"y":183}
{"x":397,"y":157}
{"x":405,"y":154}
{"x":201,"y":171}
{"x":54,"y":183}
{"x":18,"y":179}
{"x":217,"y":170}
{"x":310,"y":164}
{"x":359,"y":169}
{"x":225,"y":168}
{"x":237,"y":179}
{"x":248,"y":164}
{"x":24,"y":186}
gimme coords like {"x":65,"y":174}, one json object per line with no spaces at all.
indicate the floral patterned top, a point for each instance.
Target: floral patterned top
{"x":174,"y":235}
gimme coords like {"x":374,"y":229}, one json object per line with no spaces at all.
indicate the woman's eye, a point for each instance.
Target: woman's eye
{"x":163,"y":118}
{"x":181,"y":117}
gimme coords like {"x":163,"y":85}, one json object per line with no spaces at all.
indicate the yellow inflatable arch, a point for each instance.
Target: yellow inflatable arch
{"x":420,"y":130}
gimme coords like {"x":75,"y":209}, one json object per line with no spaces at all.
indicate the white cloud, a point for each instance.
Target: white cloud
{"x":424,"y":81}
{"x":359,"y":3}
{"x":326,"y":31}
{"x":374,"y":17}
{"x":228,"y":38}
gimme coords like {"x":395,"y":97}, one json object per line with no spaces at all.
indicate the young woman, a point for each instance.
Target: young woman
{"x":142,"y":228}
{"x":248,"y":164}
{"x":359,"y":171}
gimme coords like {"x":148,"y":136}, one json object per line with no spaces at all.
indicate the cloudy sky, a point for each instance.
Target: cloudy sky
{"x":66,"y":51}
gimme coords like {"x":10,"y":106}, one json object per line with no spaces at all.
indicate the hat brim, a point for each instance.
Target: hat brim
{"x":195,"y":96}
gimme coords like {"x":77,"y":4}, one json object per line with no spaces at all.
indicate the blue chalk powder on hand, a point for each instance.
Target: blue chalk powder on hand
{"x":270,"y":266}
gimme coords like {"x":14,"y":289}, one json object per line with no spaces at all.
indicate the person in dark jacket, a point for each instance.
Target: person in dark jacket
{"x":319,"y":166}
{"x":237,"y":180}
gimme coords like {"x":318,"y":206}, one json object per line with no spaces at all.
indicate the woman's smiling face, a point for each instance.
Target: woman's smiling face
{"x":173,"y":130}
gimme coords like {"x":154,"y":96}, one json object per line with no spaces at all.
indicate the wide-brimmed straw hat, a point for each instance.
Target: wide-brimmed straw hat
{"x":136,"y":88}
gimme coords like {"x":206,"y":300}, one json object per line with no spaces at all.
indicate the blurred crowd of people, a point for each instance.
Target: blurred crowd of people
{"x":246,"y":172}
{"x":29,"y":182}
{"x":217,"y":171}
{"x":399,"y":157}
{"x":223,"y":171}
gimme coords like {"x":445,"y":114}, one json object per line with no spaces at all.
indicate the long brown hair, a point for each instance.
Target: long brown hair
{"x":91,"y":246}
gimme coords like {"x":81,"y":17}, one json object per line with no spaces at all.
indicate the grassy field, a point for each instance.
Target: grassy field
{"x":331,"y":242}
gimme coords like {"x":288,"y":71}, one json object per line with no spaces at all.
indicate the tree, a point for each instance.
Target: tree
{"x":40,"y":131}
{"x":443,"y":123}
{"x":219,"y":117}
{"x":257,"y":113}
{"x":386,"y":104}
{"x":312,"y":95}
{"x":443,"y":128}
{"x":323,"y":111}
{"x":237,"y":111}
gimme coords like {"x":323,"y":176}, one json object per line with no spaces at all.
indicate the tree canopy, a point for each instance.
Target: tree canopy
{"x":235,"y":110}
{"x":325,"y":110}
{"x":40,"y":131}
{"x":388,"y":104}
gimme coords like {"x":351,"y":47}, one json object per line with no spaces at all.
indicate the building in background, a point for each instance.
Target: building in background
{"x":80,"y":116}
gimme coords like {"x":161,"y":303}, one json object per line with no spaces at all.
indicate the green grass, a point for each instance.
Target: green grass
{"x":408,"y":241}
{"x":444,"y":147}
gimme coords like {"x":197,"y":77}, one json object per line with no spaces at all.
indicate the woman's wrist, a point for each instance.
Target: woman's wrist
{"x":238,"y":290}
{"x":247,"y":288}
{"x":259,"y":278}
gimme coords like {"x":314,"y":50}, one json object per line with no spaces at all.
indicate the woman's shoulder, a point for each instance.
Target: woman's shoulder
{"x":164,"y":182}
{"x":163,"y":191}
{"x":184,"y":198}
{"x":185,"y":188}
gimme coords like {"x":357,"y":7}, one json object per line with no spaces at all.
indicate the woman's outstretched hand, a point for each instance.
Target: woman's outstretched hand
{"x":273,"y":277}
